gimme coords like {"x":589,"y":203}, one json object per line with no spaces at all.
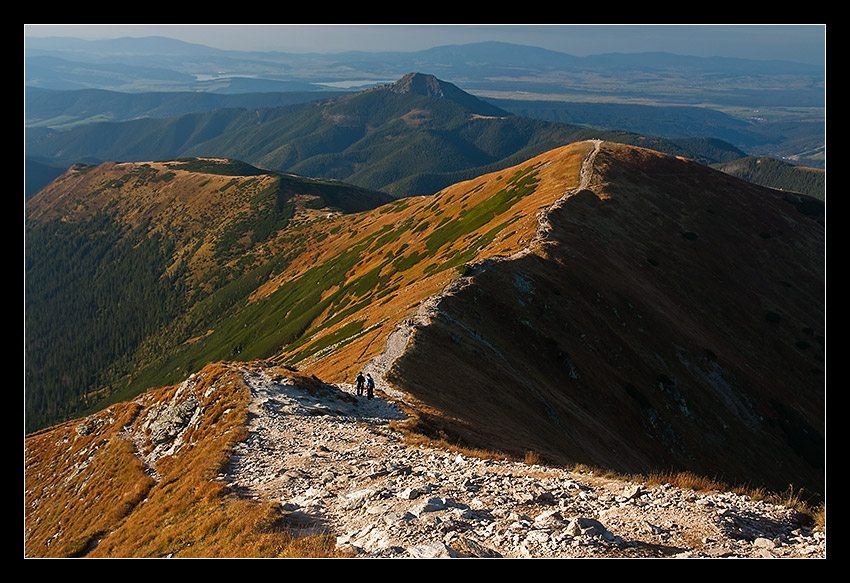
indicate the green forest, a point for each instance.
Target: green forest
{"x":94,"y":308}
{"x":778,"y":174}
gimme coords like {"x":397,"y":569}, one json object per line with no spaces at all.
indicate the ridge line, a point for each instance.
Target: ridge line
{"x":398,"y":339}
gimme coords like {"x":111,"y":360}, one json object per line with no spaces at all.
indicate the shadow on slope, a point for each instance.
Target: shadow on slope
{"x":675,"y":322}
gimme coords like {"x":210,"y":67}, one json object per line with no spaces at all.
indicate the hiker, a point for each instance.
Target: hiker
{"x":360,"y":381}
{"x":370,"y":386}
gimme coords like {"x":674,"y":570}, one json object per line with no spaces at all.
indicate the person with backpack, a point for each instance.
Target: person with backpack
{"x":370,"y":386}
{"x":359,"y":382}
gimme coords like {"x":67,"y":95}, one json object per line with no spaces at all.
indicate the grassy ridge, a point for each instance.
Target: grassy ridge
{"x":144,"y":257}
{"x":336,"y":281}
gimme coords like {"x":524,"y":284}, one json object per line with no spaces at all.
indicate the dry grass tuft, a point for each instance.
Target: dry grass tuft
{"x":532,"y":458}
{"x":687,"y":480}
{"x":792,"y":498}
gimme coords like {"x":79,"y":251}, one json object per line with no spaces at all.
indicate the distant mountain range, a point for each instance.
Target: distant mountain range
{"x":407,"y":138}
{"x":766,"y":108}
{"x":163,"y":64}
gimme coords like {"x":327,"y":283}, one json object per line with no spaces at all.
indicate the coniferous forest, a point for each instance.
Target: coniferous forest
{"x":94,"y":308}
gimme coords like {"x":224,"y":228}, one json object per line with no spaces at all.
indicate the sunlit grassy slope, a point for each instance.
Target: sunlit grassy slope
{"x":87,"y":492}
{"x":370,"y":271}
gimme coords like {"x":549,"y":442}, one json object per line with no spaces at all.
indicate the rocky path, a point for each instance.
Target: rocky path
{"x":330,"y":460}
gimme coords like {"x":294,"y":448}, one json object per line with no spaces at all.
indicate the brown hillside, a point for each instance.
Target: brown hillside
{"x":139,"y":479}
{"x":191,"y":208}
{"x":674,"y":319}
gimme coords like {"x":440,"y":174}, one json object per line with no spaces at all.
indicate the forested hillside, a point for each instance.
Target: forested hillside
{"x":143,"y":255}
{"x":89,"y":308}
{"x":778,"y":174}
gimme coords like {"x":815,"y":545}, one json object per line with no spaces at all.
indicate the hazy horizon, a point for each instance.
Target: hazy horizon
{"x":800,"y":43}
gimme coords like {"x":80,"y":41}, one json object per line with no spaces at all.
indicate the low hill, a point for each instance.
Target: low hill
{"x":778,"y":174}
{"x":772,"y":135}
{"x":58,"y":110}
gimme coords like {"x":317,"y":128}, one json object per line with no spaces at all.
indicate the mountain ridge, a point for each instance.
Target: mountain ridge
{"x":332,"y":306}
{"x":527,"y":323}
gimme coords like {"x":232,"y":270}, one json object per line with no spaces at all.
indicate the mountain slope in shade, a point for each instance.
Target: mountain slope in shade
{"x":674,"y":318}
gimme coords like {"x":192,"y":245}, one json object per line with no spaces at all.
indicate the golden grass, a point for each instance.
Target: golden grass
{"x":109,"y":507}
{"x":532,"y":458}
{"x":418,"y":430}
{"x":78,"y":486}
{"x":686,"y":480}
{"x":794,"y":499}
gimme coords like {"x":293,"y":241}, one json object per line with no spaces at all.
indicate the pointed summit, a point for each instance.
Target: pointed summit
{"x":422,"y":84}
{"x":430,"y":86}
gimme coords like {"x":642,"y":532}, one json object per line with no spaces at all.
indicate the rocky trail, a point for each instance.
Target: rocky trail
{"x":331,"y":461}
{"x":335,"y":466}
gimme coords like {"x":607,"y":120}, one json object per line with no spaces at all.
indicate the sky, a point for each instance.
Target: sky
{"x":805,"y":43}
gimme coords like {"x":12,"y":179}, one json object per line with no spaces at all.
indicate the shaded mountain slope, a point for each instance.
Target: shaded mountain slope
{"x":673,"y":319}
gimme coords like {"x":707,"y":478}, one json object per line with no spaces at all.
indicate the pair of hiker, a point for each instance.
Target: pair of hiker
{"x":369,"y":384}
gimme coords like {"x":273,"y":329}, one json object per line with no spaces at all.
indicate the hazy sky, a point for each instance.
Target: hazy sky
{"x":796,"y":42}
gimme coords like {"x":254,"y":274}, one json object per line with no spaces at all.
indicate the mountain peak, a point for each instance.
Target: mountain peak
{"x":422,"y":84}
{"x":430,"y":86}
